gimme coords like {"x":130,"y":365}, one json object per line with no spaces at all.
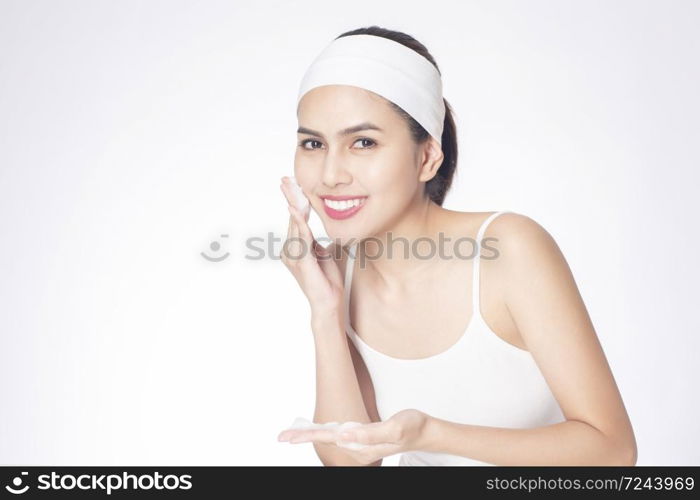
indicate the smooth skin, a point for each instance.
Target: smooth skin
{"x":528,"y":297}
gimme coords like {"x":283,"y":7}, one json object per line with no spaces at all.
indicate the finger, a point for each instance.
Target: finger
{"x":288,"y":195}
{"x":305,"y":243}
{"x":293,"y":246}
{"x":305,"y":230}
{"x":372,"y":433}
{"x":289,"y":190}
{"x":290,"y":247}
{"x":290,"y":226}
{"x":316,"y":435}
{"x":286,"y":191}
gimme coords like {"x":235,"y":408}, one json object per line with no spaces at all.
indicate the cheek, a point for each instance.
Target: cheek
{"x":391,"y":176}
{"x":307,"y":167}
{"x":298,"y":161}
{"x":301,"y":169}
{"x":305,"y":178}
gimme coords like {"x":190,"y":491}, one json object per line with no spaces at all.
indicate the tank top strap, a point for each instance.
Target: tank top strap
{"x":349,"y":267}
{"x":477,"y":258}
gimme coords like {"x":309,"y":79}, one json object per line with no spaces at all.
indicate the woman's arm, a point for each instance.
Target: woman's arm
{"x":339,"y":389}
{"x":565,"y":443}
{"x":545,"y":304}
{"x":338,"y":394}
{"x":342,"y":390}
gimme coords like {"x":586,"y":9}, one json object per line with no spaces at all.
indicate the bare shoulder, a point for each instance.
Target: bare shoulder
{"x":515,"y":224}
{"x":520,"y":240}
{"x":535,"y":276}
{"x":510,"y":233}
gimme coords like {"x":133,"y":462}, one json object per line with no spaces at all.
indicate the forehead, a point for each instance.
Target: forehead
{"x":342,"y":100}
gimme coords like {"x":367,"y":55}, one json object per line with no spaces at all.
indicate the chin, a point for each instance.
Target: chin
{"x":350,"y":237}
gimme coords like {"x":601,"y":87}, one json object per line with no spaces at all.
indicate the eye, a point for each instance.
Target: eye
{"x":305,"y":141}
{"x":365,"y":139}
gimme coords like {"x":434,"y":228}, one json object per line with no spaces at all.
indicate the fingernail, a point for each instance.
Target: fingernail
{"x":347,"y":436}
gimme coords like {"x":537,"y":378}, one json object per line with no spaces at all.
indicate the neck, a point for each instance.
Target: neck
{"x":403,"y":255}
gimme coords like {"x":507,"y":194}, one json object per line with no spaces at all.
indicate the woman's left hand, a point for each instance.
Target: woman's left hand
{"x":402,"y":432}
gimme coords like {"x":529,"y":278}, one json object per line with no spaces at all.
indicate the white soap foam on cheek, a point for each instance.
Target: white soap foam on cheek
{"x":301,"y":202}
{"x":303,"y":423}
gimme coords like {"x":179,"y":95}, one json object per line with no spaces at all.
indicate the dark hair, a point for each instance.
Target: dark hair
{"x":437,"y":187}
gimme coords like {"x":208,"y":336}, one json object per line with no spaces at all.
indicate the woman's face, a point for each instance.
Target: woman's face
{"x":377,"y":168}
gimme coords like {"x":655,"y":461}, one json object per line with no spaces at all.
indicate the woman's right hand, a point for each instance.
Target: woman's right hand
{"x":316,"y":271}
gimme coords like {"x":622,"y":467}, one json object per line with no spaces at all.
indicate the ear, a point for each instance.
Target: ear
{"x":430,"y":160}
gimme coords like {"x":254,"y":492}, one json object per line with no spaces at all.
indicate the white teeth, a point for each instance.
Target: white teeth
{"x":343,"y":205}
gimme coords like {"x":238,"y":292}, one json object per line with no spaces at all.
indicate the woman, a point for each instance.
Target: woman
{"x":447,"y":356}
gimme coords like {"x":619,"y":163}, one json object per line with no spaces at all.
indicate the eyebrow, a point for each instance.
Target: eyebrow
{"x":346,"y":131}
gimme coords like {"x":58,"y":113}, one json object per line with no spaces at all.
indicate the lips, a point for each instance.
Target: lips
{"x":342,"y":208}
{"x":342,"y":198}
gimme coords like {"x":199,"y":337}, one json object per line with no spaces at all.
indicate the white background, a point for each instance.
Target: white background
{"x":133,"y":134}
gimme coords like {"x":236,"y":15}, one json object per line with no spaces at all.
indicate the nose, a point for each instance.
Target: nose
{"x":334,"y":171}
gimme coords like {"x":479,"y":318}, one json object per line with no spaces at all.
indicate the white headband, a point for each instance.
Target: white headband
{"x":385,"y":67}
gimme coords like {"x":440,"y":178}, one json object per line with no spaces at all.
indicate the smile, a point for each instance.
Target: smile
{"x":344,"y":208}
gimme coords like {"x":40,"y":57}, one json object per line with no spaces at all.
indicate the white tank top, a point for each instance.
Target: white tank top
{"x":480,"y":380}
